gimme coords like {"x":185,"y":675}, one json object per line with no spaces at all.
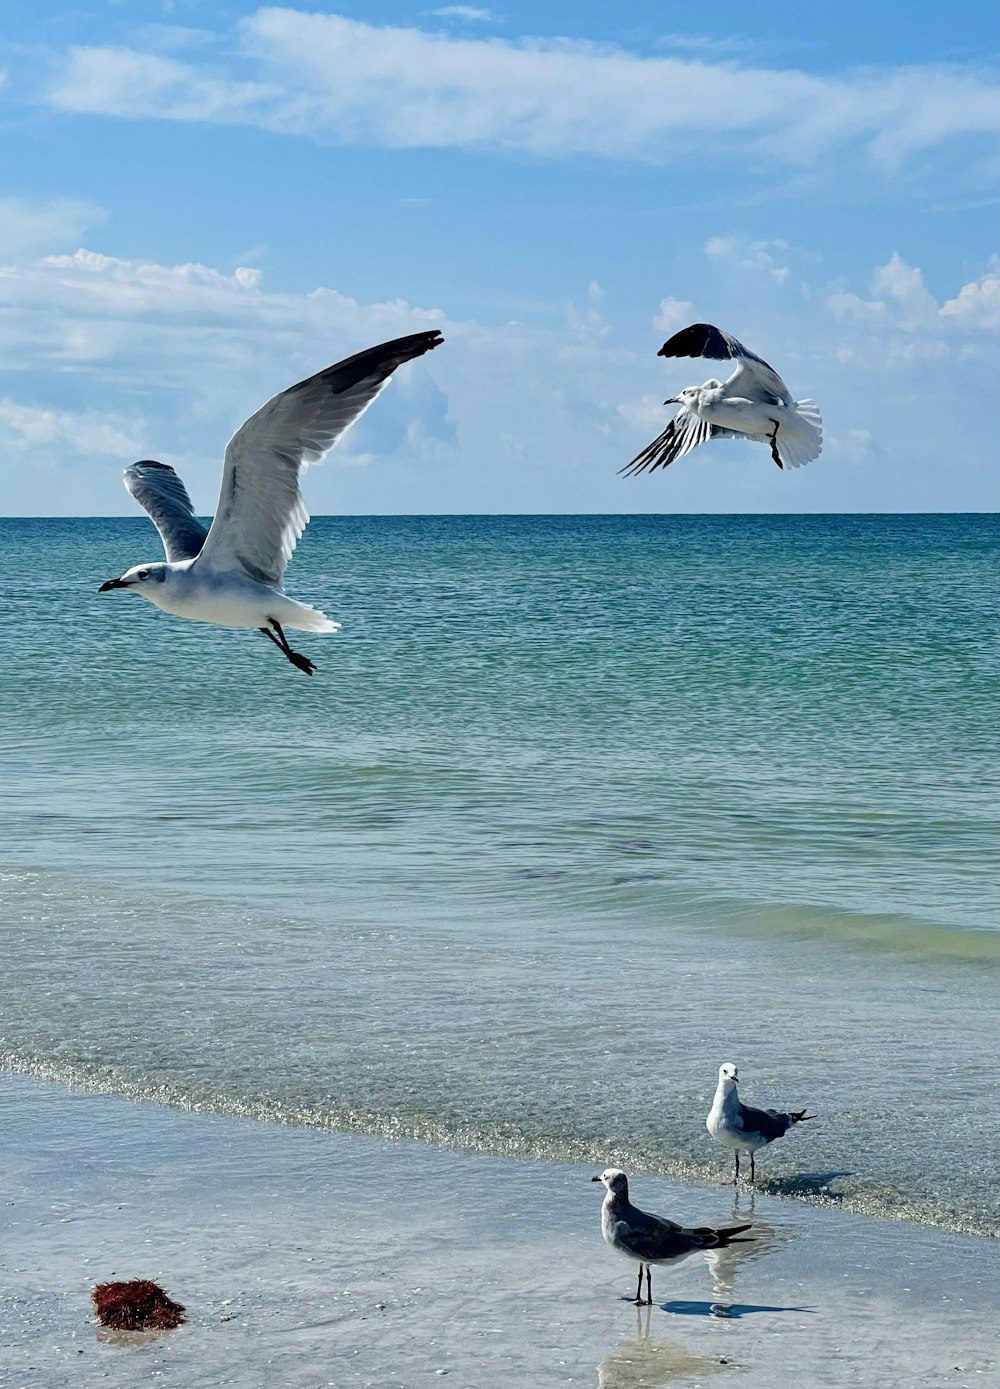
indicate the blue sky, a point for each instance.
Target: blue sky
{"x":203,"y":202}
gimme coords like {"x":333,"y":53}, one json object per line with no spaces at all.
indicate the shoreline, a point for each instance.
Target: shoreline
{"x":812,"y":1188}
{"x":307,"y":1257}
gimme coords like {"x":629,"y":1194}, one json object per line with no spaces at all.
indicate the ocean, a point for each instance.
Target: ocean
{"x":573,"y":810}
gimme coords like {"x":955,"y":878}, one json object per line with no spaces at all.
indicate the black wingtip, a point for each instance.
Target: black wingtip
{"x":697,"y":340}
{"x":379,"y":361}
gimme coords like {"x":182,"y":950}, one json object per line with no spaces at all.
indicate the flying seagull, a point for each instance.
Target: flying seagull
{"x":648,"y":1240}
{"x":740,"y":1127}
{"x":232,"y":574}
{"x":753,"y":403}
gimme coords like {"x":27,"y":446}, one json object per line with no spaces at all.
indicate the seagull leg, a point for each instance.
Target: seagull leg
{"x":281,"y":642}
{"x":736,"y":1174}
{"x":649,"y":1286}
{"x":638,"y":1291}
{"x":774,"y":446}
{"x":752,"y":1175}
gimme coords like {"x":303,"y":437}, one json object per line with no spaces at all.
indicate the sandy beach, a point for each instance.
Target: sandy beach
{"x":315,"y":1259}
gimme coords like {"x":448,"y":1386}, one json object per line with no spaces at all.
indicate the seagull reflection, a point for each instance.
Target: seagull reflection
{"x":645,"y":1362}
{"x":723,"y":1263}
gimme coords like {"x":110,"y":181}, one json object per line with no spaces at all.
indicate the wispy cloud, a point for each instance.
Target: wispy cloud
{"x":33,"y":225}
{"x":30,"y":427}
{"x":469,"y":14}
{"x":335,"y":79}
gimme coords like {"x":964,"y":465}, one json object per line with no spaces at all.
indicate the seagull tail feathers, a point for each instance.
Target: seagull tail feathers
{"x":800,"y":437}
{"x":729,"y":1236}
{"x":309,"y":619}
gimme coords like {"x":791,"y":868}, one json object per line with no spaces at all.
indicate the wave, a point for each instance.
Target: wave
{"x":837,"y":1189}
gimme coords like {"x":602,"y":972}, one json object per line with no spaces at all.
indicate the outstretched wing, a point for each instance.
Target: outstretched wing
{"x":752,"y":376}
{"x":684,"y":432}
{"x":158,"y":489}
{"x":261,"y":513}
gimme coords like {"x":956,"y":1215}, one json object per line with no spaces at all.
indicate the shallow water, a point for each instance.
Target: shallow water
{"x":573,"y":810}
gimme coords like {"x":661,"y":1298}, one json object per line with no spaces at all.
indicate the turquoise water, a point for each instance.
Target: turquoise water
{"x":574,"y":809}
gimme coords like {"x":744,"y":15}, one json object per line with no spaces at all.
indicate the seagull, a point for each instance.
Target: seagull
{"x":232,"y":574}
{"x":753,"y":403}
{"x":740,"y":1127}
{"x":647,"y":1239}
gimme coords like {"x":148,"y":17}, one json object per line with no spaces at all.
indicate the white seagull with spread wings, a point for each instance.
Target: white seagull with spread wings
{"x":753,"y":403}
{"x":232,"y":574}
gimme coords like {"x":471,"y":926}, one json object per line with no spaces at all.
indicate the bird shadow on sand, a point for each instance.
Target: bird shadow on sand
{"x":733,"y":1311}
{"x":807,"y":1184}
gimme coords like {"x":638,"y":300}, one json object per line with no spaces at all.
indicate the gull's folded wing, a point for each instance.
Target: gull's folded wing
{"x":705,"y":340}
{"x":766,"y":1122}
{"x":158,"y":489}
{"x":653,"y":1240}
{"x":261,"y":513}
{"x":684,"y":432}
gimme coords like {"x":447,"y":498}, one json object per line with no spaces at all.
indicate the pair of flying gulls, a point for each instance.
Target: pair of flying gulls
{"x":232,"y":574}
{"x":648,"y":1239}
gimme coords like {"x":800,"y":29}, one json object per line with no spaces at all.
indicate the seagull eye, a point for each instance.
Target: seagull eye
{"x":143,"y":574}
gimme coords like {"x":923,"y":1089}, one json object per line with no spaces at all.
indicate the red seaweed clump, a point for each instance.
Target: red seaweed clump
{"x":138,"y":1305}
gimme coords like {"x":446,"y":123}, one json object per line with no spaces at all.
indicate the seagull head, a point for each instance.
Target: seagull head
{"x":615,"y":1180}
{"x":139,"y":577}
{"x":727,"y":1071}
{"x":689,"y":397}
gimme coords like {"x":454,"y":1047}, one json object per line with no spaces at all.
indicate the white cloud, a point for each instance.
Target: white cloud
{"x":673,"y":314}
{"x":33,"y":225}
{"x":86,"y":432}
{"x":910,"y":321}
{"x":755,"y":255}
{"x":471,"y":14}
{"x":977,"y":304}
{"x":330,"y":78}
{"x":123,"y":82}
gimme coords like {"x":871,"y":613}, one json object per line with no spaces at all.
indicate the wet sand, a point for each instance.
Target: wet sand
{"x":315,"y":1259}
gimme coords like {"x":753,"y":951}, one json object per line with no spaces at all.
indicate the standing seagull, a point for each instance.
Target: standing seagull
{"x":753,"y":403}
{"x":232,"y":574}
{"x":740,"y":1127}
{"x":647,"y":1239}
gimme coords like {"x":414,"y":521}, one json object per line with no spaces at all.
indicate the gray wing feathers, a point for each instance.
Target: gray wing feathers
{"x":653,"y":1240}
{"x":766,"y":1122}
{"x":755,"y":380}
{"x":160,"y":492}
{"x":684,"y":432}
{"x":261,"y":513}
{"x":705,"y":340}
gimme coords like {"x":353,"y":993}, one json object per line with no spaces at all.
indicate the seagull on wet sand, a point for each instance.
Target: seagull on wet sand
{"x":646,"y":1239}
{"x":752,"y":403}
{"x":738,"y":1126}
{"x":232,"y":574}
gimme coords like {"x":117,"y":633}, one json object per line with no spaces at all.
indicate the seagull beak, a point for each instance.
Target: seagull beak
{"x":595,"y":1179}
{"x":110,"y":584}
{"x":672,"y":401}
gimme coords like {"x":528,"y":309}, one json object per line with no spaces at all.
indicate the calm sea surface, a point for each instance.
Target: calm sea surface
{"x":574,"y":810}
